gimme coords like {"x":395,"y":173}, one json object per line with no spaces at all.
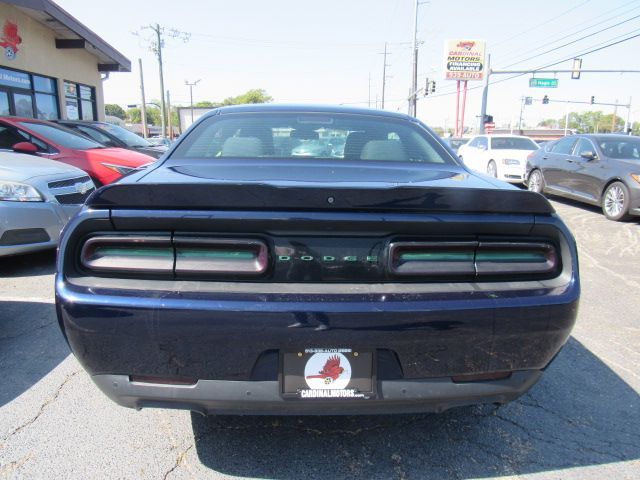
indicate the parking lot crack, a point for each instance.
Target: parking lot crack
{"x":44,"y":406}
{"x":180,"y":460}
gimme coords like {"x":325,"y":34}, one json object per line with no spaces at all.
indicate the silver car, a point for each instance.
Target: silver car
{"x":37,"y":197}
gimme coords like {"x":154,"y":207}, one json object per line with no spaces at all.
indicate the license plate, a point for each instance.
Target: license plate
{"x":327,"y":373}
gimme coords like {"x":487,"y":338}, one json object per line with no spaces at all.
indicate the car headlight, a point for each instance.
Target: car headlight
{"x":19,"y":192}
{"x":121,"y":169}
{"x":510,"y":161}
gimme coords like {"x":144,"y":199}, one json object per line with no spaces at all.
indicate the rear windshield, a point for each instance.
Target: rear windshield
{"x":513,"y":143}
{"x":62,"y":136}
{"x":316,"y":136}
{"x":130,"y":139}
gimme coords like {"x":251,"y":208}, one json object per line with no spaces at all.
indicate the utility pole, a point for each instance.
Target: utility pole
{"x":627,"y":124}
{"x":191,"y":85}
{"x":384,"y":73}
{"x":369,"y":98}
{"x":613,"y":119}
{"x":414,"y":73}
{"x":155,"y":45}
{"x":485,"y":94}
{"x":170,"y":136}
{"x":143,"y":107}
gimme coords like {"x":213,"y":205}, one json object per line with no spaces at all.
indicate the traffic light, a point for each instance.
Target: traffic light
{"x":593,"y":99}
{"x":426,"y":87}
{"x":545,"y":99}
{"x":488,"y":119}
{"x":433,"y":86}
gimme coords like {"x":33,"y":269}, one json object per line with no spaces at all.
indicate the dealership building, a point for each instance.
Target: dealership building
{"x":51,"y":65}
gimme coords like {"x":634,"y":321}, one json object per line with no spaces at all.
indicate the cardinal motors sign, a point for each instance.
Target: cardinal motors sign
{"x":464,"y":59}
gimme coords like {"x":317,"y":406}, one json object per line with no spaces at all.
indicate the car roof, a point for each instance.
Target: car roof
{"x":304,"y":108}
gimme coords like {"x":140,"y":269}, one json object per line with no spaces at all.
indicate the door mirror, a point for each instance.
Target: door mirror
{"x":25,"y":147}
{"x":588,"y":155}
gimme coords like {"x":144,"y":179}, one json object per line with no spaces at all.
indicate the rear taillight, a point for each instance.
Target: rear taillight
{"x":220,"y":256}
{"x":180,"y":256}
{"x":128,"y":254}
{"x":481,"y":260}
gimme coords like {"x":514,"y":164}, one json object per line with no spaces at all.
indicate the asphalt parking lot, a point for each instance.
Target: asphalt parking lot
{"x":581,"y":421}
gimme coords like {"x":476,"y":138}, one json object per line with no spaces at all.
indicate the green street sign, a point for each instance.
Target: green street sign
{"x":543,"y":83}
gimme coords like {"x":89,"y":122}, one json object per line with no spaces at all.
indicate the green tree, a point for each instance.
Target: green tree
{"x":548,"y":123}
{"x":115,"y":111}
{"x":206,"y":104}
{"x":134,"y":115}
{"x":256,"y":95}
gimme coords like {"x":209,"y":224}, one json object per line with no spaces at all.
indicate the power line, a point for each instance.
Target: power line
{"x":598,"y":23}
{"x":573,"y":41}
{"x":555,"y":17}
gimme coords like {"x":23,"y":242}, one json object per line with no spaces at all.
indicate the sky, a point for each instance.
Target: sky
{"x":329,"y":51}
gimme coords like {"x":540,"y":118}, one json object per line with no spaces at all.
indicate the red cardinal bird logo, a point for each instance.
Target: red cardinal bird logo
{"x":331,"y":370}
{"x":10,"y":39}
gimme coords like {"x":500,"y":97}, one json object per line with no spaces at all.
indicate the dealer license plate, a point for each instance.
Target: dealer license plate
{"x":327,"y":373}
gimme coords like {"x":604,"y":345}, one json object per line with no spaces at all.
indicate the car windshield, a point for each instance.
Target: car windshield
{"x":628,"y":149}
{"x":456,"y":142}
{"x":62,"y":136}
{"x":325,"y":136}
{"x":513,"y":143}
{"x":126,"y":136}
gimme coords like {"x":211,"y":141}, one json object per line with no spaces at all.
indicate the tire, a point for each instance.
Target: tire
{"x":492,"y":169}
{"x":615,"y":202}
{"x":535,"y":183}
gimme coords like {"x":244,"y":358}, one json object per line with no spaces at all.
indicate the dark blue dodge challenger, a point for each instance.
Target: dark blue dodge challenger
{"x":371,"y":273}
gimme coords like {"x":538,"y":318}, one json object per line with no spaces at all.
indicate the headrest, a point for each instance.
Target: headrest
{"x":383,"y":150}
{"x":242,"y":147}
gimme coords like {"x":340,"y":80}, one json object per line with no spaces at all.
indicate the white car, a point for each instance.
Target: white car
{"x":500,"y":156}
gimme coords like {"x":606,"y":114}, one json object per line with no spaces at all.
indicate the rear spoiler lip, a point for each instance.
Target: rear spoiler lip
{"x":224,"y":196}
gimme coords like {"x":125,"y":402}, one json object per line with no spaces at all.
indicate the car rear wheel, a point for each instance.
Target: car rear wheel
{"x":615,"y":202}
{"x":536,"y":182}
{"x":492,"y":170}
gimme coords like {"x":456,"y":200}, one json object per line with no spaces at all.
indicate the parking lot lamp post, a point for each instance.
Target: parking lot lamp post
{"x":191,"y":85}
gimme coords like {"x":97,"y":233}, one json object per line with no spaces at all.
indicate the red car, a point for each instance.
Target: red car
{"x":48,"y":140}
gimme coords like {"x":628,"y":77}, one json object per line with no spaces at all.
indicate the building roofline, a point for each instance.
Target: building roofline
{"x":116,"y":61}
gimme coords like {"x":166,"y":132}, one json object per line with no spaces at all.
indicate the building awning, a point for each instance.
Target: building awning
{"x":70,"y":33}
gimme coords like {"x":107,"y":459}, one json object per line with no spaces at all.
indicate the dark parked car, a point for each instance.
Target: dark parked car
{"x":114,"y":136}
{"x":455,"y":143}
{"x":228,"y":278}
{"x":602,"y":170}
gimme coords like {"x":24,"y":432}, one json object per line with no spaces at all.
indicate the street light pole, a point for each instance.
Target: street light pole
{"x":143,"y":106}
{"x":191,"y":85}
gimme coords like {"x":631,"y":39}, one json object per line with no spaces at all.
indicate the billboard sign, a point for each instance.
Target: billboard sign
{"x":464,"y":59}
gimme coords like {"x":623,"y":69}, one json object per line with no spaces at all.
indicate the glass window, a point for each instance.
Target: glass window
{"x":483,"y":143}
{"x":47,"y":106}
{"x":512,"y":143}
{"x":473,"y":143}
{"x":62,"y":136}
{"x":9,"y":136}
{"x":583,"y":145}
{"x":73,"y":112}
{"x":87,"y":110}
{"x":86,"y":92}
{"x":126,"y":136}
{"x":23,"y":105}
{"x":96,"y":135}
{"x":4,"y":104}
{"x":564,"y":146}
{"x":311,"y":136}
{"x":44,"y":84}
{"x":628,"y":149}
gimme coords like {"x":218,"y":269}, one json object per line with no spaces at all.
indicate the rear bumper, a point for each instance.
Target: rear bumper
{"x":263,"y":398}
